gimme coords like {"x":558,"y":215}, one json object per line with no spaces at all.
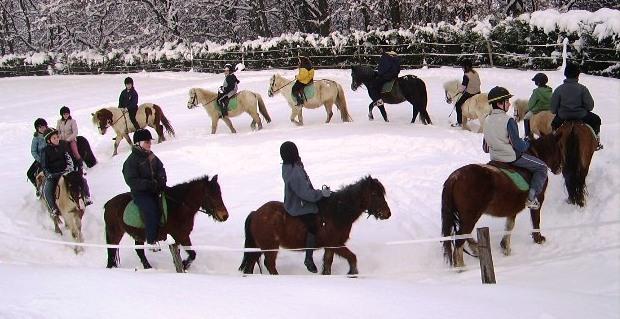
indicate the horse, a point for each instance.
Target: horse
{"x":148,"y":114}
{"x":328,"y":93}
{"x":184,"y":201}
{"x":477,"y":189}
{"x":86,"y":153}
{"x":476,"y":107}
{"x":540,"y":123}
{"x":270,"y":226}
{"x":408,"y":88}
{"x":70,"y":204}
{"x":579,"y":146}
{"x":246,"y":102}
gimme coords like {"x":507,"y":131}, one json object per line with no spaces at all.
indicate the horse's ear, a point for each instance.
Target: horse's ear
{"x":214,"y":179}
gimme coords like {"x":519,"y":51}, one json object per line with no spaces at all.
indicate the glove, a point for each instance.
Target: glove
{"x":325,"y":191}
{"x":221,"y":90}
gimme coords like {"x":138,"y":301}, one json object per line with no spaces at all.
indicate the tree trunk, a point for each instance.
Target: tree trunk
{"x":395,"y":13}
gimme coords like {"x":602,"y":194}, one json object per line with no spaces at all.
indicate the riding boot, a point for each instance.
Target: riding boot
{"x":309,"y":261}
{"x":526,"y":125}
{"x":599,"y":146}
{"x":224,"y":107}
{"x":300,"y":99}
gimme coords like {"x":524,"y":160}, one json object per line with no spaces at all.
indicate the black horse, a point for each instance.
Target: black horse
{"x":86,"y":152}
{"x":407,"y":88}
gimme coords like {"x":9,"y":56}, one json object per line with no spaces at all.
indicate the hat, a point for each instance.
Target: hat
{"x":498,"y":94}
{"x":289,"y":153}
{"x":142,"y":135}
{"x":128,"y":80}
{"x":49,"y":133}
{"x":229,"y":67}
{"x":572,"y":70}
{"x":64,"y":110}
{"x":39,"y":122}
{"x":540,"y":79}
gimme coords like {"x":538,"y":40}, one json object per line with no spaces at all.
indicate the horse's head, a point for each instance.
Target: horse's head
{"x":272,"y":86}
{"x":550,"y":149}
{"x":520,"y":108}
{"x":75,"y":184}
{"x":102,"y":119}
{"x":373,"y":195}
{"x":212,"y":201}
{"x":451,"y":91}
{"x":361,"y":75}
{"x":193,"y":99}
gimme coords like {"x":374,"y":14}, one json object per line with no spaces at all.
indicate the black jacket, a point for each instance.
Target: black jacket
{"x":128,"y":99}
{"x":144,"y":172}
{"x":56,"y":159}
{"x":389,"y":66}
{"x":229,"y":83}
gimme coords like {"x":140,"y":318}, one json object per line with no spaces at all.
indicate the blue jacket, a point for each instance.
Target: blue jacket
{"x":389,"y":66}
{"x":128,"y":99}
{"x":571,"y":100}
{"x":300,"y":197}
{"x":37,"y":146}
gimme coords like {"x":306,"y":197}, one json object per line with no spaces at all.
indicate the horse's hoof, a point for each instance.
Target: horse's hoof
{"x":538,"y":238}
{"x":370,"y":117}
{"x":147,"y":266}
{"x":507,"y":251}
{"x":311,"y":266}
{"x":326,"y":272}
{"x":186,"y":264}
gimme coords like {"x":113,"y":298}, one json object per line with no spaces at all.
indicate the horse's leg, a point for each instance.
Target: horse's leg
{"x":347,"y":254}
{"x":270,"y":261}
{"x":465,"y":126}
{"x":117,"y":141}
{"x":142,"y":256}
{"x":226,"y":120}
{"x":535,"y":215}
{"x":256,"y":121}
{"x":505,"y":243}
{"x":214,"y":120}
{"x":76,"y":229}
{"x":473,"y":245}
{"x":328,"y":259}
{"x":481,"y":118}
{"x":300,"y":116}
{"x":383,"y":113}
{"x":414,"y":110}
{"x":370,"y":107}
{"x":328,"y":108}
{"x":113,"y":235}
{"x":191,"y":254}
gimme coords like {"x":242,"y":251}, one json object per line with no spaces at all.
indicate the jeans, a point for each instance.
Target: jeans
{"x":148,"y":203}
{"x":538,"y":169}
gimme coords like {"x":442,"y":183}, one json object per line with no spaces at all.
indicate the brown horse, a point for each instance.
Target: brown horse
{"x":270,"y":226}
{"x":184,"y":201}
{"x":579,"y":145}
{"x":476,"y":189}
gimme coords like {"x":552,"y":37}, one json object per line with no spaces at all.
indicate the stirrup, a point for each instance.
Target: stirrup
{"x":456,"y":125}
{"x":532,"y":204}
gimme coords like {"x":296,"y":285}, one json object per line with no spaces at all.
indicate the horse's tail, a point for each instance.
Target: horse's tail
{"x":164,"y":120}
{"x":449,"y":218}
{"x":86,"y":152}
{"x":341,"y":104}
{"x":261,"y":107}
{"x":422,"y":103}
{"x":249,"y":257}
{"x":574,"y":174}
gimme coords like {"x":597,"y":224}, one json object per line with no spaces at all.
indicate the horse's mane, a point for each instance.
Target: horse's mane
{"x":105,"y":112}
{"x":363,"y":71}
{"x":74,"y":182}
{"x":451,"y":85}
{"x":522,"y":108}
{"x":203,"y":92}
{"x":183,"y":188}
{"x":342,"y":205}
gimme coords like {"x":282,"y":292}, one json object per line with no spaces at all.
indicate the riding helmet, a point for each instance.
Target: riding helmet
{"x":64,"y":110}
{"x":128,"y":80}
{"x":498,"y":94}
{"x":49,"y":133}
{"x":540,"y":79}
{"x":572,"y":70}
{"x":230,"y":68}
{"x":467,"y":65}
{"x":142,"y":135}
{"x":289,"y":153}
{"x":39,"y":122}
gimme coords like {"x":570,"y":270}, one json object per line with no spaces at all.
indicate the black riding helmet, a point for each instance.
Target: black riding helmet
{"x":466,"y":64}
{"x":49,"y":133}
{"x":289,"y":153}
{"x":64,"y":110}
{"x":498,"y":94}
{"x":128,"y":80}
{"x":540,"y":79}
{"x":572,"y":70}
{"x":230,"y":68}
{"x":142,"y":135}
{"x":39,"y":122}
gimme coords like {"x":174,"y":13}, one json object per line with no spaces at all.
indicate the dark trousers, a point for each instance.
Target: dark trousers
{"x":377,"y":85}
{"x":32,"y":172}
{"x":148,"y":203}
{"x":310,"y":221}
{"x":459,"y":106}
{"x":591,"y":119}
{"x":538,"y":169}
{"x":132,"y":116}
{"x":298,"y":91}
{"x":222,"y":102}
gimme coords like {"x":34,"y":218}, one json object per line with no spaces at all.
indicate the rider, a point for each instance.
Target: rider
{"x":469,"y":87}
{"x":501,"y":139}
{"x":300,"y":197}
{"x":68,"y":130}
{"x":572,"y":101}
{"x":387,"y":70}
{"x":228,"y":89}
{"x":145,"y":175}
{"x":55,"y":161}
{"x":129,"y":100}
{"x":539,"y":100}
{"x":304,"y":77}
{"x":36,"y":148}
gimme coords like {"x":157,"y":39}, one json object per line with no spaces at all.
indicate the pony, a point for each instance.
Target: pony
{"x":86,"y":153}
{"x":540,"y":123}
{"x":476,"y":107}
{"x":184,"y":201}
{"x":70,"y":204}
{"x":246,"y":102}
{"x":328,"y":93}
{"x":477,"y":189}
{"x":148,"y":114}
{"x":408,"y":88}
{"x":270,"y":226}
{"x":579,"y":146}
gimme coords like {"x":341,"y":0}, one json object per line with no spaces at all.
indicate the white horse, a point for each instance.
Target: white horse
{"x":246,"y":102}
{"x":540,"y":123}
{"x":328,"y":93}
{"x":476,"y":107}
{"x":148,"y":114}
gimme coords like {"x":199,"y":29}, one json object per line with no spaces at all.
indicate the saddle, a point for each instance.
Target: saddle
{"x":132,"y":216}
{"x":232,"y":103}
{"x":519,"y":176}
{"x":309,"y":92}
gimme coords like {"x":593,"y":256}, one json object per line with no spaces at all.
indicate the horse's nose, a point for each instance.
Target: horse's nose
{"x":353,"y":87}
{"x":386,"y":214}
{"x":269,"y":94}
{"x":222,"y":215}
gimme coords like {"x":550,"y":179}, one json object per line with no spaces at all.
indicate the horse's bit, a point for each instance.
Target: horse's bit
{"x":192,"y":103}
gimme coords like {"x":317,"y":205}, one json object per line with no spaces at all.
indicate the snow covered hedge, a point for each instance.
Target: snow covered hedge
{"x":531,"y":41}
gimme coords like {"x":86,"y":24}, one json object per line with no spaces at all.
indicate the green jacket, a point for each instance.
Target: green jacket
{"x":540,"y":99}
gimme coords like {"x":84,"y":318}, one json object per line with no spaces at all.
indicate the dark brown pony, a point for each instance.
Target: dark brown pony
{"x":86,"y":152}
{"x":476,"y":189}
{"x":184,"y":201}
{"x":579,"y":145}
{"x":270,"y":226}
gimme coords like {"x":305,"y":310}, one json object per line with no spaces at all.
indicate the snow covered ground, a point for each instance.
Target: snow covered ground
{"x":575,"y":274}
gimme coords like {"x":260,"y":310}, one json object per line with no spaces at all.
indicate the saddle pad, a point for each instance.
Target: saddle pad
{"x":232,"y":103}
{"x":309,"y":92}
{"x":517,"y":179}
{"x":388,"y":86}
{"x":133,"y":218}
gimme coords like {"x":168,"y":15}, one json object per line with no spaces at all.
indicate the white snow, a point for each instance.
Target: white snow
{"x":575,"y":274}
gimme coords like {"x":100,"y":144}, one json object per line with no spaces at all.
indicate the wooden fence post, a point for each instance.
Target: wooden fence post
{"x":176,"y":257}
{"x":490,"y":52}
{"x":487,"y":272}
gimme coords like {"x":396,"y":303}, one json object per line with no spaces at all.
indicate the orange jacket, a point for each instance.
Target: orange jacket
{"x":305,"y":76}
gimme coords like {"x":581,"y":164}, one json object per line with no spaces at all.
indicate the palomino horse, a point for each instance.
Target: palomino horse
{"x":540,"y":123}
{"x":408,"y":88}
{"x":476,"y":107}
{"x":328,"y":93}
{"x":477,"y":189}
{"x":246,"y":102}
{"x":148,"y":114}
{"x":270,"y":226}
{"x":70,"y":203}
{"x":184,"y":201}
{"x":579,"y":145}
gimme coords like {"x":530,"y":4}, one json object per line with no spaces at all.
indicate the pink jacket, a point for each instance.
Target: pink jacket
{"x":67,"y":130}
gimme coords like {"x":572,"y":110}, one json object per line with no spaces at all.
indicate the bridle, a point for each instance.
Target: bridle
{"x":192,"y":103}
{"x":270,"y":92}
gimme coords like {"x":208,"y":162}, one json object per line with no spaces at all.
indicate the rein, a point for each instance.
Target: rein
{"x":274,"y":82}
{"x":200,"y":209}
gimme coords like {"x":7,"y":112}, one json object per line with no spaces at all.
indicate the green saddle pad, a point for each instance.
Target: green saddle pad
{"x":232,"y":104}
{"x":517,"y":179}
{"x":309,"y":92}
{"x":388,"y":86}
{"x":132,"y":217}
